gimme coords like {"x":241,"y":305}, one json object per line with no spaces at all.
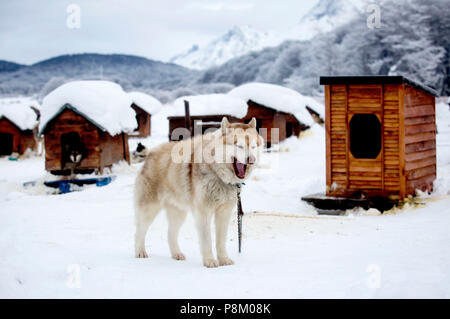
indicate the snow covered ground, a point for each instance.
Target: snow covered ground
{"x":80,"y":245}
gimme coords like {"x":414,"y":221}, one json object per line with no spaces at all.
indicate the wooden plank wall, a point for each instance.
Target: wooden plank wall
{"x":21,"y":139}
{"x":179,"y":121}
{"x":336,"y":130}
{"x":272,"y":118}
{"x":69,"y":121}
{"x":297,"y":127}
{"x":267,"y":117}
{"x":345,"y":174}
{"x":143,"y":122}
{"x":7,"y":127}
{"x":391,"y":138}
{"x":420,"y":140}
{"x":279,"y":122}
{"x":113,"y":149}
{"x":27,"y":140}
{"x":174,"y":123}
{"x":365,"y":174}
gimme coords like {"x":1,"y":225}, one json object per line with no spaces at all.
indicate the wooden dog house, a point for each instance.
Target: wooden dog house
{"x":269,"y":118}
{"x":18,"y":123}
{"x":90,"y":119}
{"x":198,"y":123}
{"x":204,"y":112}
{"x":144,"y":106}
{"x":276,"y":107}
{"x":380,"y":136}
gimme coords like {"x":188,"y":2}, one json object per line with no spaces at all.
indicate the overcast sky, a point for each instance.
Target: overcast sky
{"x":31,"y":31}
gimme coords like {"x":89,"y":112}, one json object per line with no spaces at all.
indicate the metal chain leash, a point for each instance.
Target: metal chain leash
{"x":240,"y":213}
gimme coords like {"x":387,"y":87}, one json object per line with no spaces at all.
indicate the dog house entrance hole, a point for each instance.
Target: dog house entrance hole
{"x":6,"y":143}
{"x":289,"y":129}
{"x":72,"y":147}
{"x":138,"y":120}
{"x":258,"y":124}
{"x":365,"y":136}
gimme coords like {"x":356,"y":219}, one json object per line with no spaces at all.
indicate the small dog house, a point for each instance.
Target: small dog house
{"x":269,"y":118}
{"x":18,"y":123}
{"x":205,"y":112}
{"x":380,"y":136}
{"x":85,"y":126}
{"x":276,"y":107}
{"x":144,"y":106}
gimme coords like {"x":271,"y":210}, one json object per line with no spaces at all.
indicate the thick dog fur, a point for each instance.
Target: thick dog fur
{"x":205,"y":187}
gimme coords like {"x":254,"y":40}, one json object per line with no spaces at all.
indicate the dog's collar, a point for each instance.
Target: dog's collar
{"x":238,"y":185}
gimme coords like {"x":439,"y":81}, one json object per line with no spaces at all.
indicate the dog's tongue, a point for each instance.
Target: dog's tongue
{"x":240,"y":169}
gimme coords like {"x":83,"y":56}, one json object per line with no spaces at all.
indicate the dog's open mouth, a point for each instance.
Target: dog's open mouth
{"x":239,"y":168}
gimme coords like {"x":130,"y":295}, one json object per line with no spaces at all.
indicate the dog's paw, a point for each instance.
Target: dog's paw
{"x":141,"y":254}
{"x":225,"y":261}
{"x":210,"y":263}
{"x":179,"y":256}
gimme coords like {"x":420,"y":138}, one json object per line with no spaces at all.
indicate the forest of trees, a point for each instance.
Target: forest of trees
{"x":413,"y":40}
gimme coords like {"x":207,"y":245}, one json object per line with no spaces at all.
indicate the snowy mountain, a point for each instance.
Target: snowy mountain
{"x":236,"y":42}
{"x":420,"y":52}
{"x":185,"y":55}
{"x":132,"y":72}
{"x":6,"y":66}
{"x":413,"y":40}
{"x":325,"y":16}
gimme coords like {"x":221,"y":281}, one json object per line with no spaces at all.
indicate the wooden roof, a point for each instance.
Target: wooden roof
{"x":68,"y":106}
{"x":376,"y":79}
{"x":196,"y":117}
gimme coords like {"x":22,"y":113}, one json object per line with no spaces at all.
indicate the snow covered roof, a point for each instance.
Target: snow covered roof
{"x":146,"y":102}
{"x":103,"y":103}
{"x":279,"y":98}
{"x":210,"y":104}
{"x":19,"y":111}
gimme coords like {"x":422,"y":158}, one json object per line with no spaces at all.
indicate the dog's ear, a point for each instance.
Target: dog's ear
{"x":224,"y":125}
{"x":252,"y":123}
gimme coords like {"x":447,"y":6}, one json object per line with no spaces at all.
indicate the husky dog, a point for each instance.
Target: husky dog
{"x":203,"y":182}
{"x":73,"y":150}
{"x":139,"y":154}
